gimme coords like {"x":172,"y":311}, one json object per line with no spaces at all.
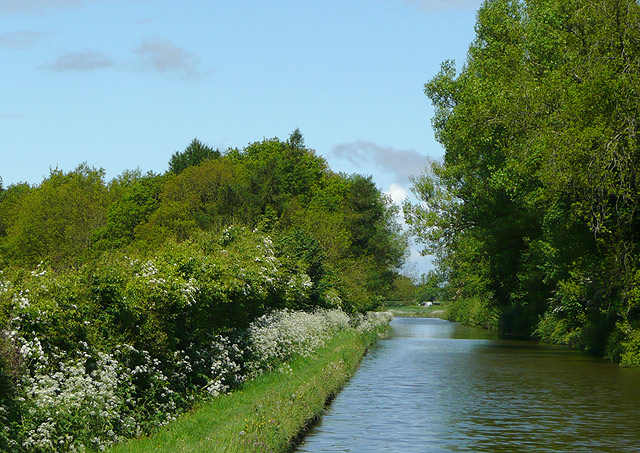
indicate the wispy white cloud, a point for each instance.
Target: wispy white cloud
{"x":84,"y":61}
{"x":437,"y":5}
{"x":400,"y":163}
{"x":163,"y":56}
{"x":21,"y":39}
{"x":397,"y":193}
{"x":35,"y":6}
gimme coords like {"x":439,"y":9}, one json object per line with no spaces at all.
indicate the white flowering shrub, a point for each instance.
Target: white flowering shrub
{"x":90,"y":357}
{"x":372,"y":321}
{"x":88,"y":402}
{"x":215,"y":366}
{"x":81,"y":404}
{"x":277,"y":336}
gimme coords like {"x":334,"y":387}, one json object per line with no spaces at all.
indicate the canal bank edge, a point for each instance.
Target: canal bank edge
{"x":417,"y":311}
{"x":355,"y":350}
{"x":271,"y":413}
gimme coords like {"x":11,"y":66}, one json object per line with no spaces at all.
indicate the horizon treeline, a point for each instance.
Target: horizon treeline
{"x":534,"y":213}
{"x":338,"y":229}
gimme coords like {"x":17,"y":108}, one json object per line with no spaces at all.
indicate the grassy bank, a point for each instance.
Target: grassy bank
{"x":414,"y":311}
{"x":267,"y":414}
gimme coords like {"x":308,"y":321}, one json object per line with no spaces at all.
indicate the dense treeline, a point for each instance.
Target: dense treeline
{"x":340,"y":230}
{"x":123,"y":302}
{"x":533,"y":215}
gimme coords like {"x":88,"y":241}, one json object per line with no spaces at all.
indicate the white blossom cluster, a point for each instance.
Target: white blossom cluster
{"x":88,"y":402}
{"x":92,"y":395}
{"x":298,"y":287}
{"x":372,"y":321}
{"x":277,"y":336}
{"x":5,"y":286}
{"x":76,"y":399}
{"x":218,"y":362}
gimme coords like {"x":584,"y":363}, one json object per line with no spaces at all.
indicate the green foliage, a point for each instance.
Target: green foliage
{"x":279,"y":175}
{"x":199,"y":198}
{"x":54,"y":222}
{"x":473,"y":311}
{"x":404,"y":291}
{"x":10,"y":205}
{"x":305,"y":254}
{"x":535,"y":207}
{"x":374,"y":231}
{"x":296,"y":140}
{"x":136,"y":199}
{"x":185,"y":291}
{"x":555,"y":329}
{"x":630,"y":354}
{"x":338,"y":230}
{"x":430,"y":287}
{"x":194,"y":154}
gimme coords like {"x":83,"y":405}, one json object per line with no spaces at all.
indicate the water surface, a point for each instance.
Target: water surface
{"x":439,"y":386}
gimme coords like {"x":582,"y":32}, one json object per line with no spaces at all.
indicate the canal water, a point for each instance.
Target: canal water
{"x":439,"y":386}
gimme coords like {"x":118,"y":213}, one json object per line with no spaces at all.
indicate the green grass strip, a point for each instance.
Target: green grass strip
{"x":268,"y":414}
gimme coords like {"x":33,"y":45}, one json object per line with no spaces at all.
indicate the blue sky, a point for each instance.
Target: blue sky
{"x":123,"y":84}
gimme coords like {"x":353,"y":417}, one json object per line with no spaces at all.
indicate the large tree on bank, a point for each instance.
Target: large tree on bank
{"x":534,"y":210}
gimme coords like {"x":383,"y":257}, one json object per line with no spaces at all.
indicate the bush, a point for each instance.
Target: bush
{"x":94,"y":356}
{"x":630,"y":346}
{"x":475,"y":311}
{"x":554,"y":329}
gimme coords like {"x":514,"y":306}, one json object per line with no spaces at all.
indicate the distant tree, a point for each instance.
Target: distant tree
{"x":55,"y":221}
{"x":372,"y":222}
{"x":404,"y":289}
{"x":429,"y":287}
{"x":194,"y":154}
{"x":375,"y":232}
{"x":324,"y":217}
{"x":136,"y":198}
{"x":10,"y":205}
{"x":296,"y":140}
{"x":201,"y":197}
{"x":280,"y":174}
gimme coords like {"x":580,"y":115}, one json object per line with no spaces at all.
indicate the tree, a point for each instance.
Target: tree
{"x":430,"y":287}
{"x":10,"y":206}
{"x":280,"y":175}
{"x":404,"y":289}
{"x":296,"y":140}
{"x":375,"y":233}
{"x":200,"y":197}
{"x":136,"y":198}
{"x":55,"y":221}
{"x":534,"y":210}
{"x":194,"y":154}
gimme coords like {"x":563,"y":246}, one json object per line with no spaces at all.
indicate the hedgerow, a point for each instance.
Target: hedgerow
{"x":92,"y":356}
